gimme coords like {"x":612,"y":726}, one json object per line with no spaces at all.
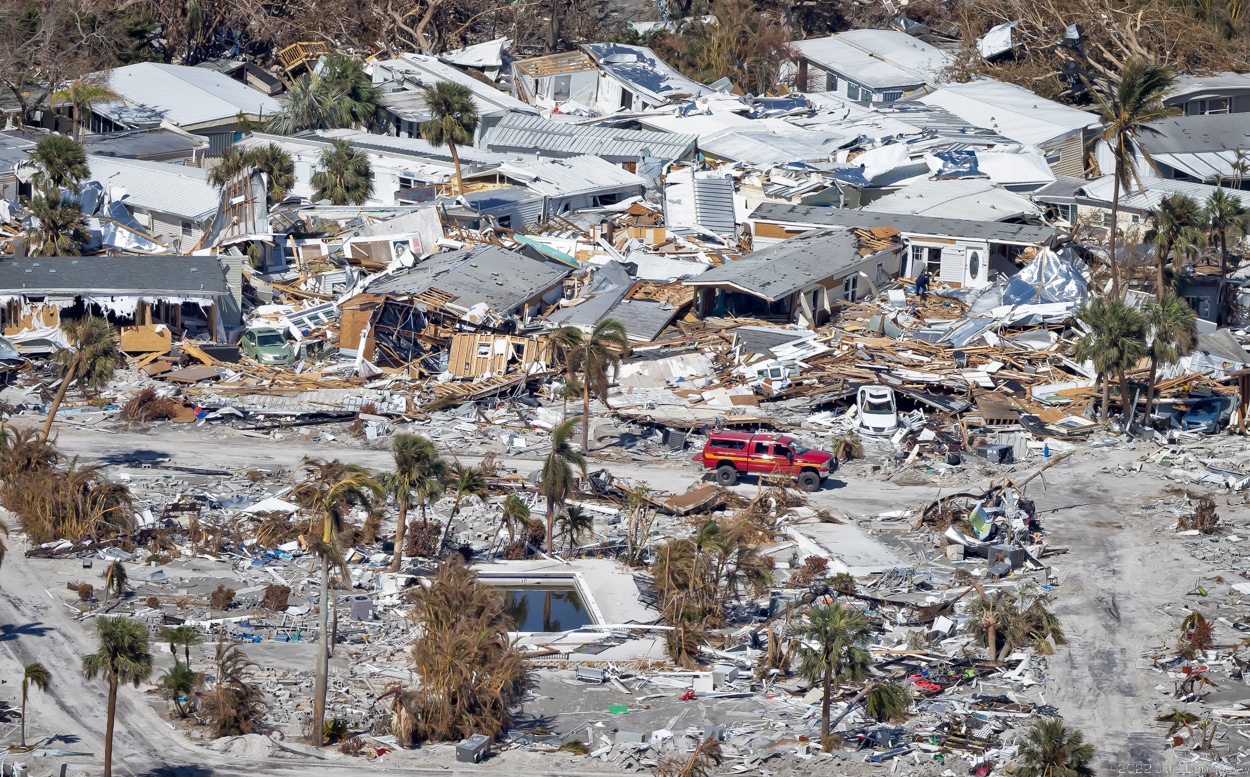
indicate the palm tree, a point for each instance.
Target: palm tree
{"x":329,"y":493}
{"x":62,"y":164}
{"x":601,"y":352}
{"x":347,"y":76}
{"x":416,"y":460}
{"x":185,"y":637}
{"x":278,"y":167}
{"x":514,"y":512}
{"x":1225,"y":217}
{"x":233,"y":161}
{"x":566,"y":341}
{"x":80,"y":94}
{"x":1172,"y":327}
{"x":122,"y":657}
{"x":992,"y":617}
{"x":837,"y":655}
{"x":345,"y":176}
{"x":454,"y":120}
{"x":574,"y":523}
{"x":464,"y":481}
{"x":235,"y":705}
{"x":1178,"y":222}
{"x":90,"y":360}
{"x":1115,"y":342}
{"x":1050,"y":749}
{"x":178,"y":683}
{"x":35,"y":674}
{"x":58,"y":229}
{"x":115,"y":579}
{"x":311,"y":103}
{"x":1126,"y":110}
{"x":557,"y":479}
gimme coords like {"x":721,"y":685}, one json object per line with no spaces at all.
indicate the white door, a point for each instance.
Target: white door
{"x":976,"y":268}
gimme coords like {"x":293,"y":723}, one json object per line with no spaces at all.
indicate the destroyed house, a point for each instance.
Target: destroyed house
{"x":603,"y":77}
{"x":522,"y":134}
{"x":173,"y":203}
{"x":567,"y":185}
{"x":479,"y":282}
{"x":869,"y":66}
{"x":1059,"y":130}
{"x":403,"y":82}
{"x":803,"y":280}
{"x":186,"y":293}
{"x":955,"y":251}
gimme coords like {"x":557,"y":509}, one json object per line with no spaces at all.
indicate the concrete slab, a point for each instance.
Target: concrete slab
{"x":848,"y":547}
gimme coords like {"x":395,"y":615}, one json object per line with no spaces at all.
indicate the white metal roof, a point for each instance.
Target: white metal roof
{"x":519,"y":132}
{"x":879,"y":59}
{"x":975,"y":199}
{"x":427,"y":71}
{"x":1011,"y":111}
{"x":157,"y":186}
{"x":566,"y":177}
{"x":186,"y":96}
{"x":1101,"y":189}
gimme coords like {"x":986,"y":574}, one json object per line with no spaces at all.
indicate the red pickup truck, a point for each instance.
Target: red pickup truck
{"x":735,"y":453}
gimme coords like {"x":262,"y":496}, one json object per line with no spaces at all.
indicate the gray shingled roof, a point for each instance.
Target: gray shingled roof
{"x":778,"y":271}
{"x":502,"y":279}
{"x":993,"y":231}
{"x":185,"y":276}
{"x":517,"y":132}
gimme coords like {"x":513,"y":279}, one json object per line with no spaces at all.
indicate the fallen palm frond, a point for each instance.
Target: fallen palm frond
{"x":148,"y":406}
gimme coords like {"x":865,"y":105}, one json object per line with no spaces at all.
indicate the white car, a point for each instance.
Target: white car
{"x":878,"y":415}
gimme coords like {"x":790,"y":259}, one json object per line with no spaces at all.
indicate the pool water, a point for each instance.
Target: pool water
{"x":545,"y":609}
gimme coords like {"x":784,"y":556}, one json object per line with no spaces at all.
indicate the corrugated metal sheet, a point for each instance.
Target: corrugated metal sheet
{"x":570,"y":176}
{"x":186,"y":96}
{"x":877,"y":59}
{"x":714,"y":204}
{"x":521,"y":133}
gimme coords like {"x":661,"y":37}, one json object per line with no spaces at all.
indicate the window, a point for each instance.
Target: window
{"x":761,"y":449}
{"x":880,"y":274}
{"x":560,"y":87}
{"x":831,"y":82}
{"x":729,"y":445}
{"x":974,"y":264}
{"x":1106,"y":218}
{"x":1054,"y":156}
{"x":891,"y":96}
{"x":1134,"y":219}
{"x":850,"y":288}
{"x":1071,"y":213}
{"x":782,"y":451}
{"x":917,"y":259}
{"x":852,"y":90}
{"x":186,"y":229}
{"x":483,"y":349}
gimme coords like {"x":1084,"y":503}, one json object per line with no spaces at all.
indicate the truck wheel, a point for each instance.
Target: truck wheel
{"x":809,"y":481}
{"x":726,"y":475}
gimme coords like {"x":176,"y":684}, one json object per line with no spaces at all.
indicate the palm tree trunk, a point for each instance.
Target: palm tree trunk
{"x":323,"y":656}
{"x":1150,"y":388}
{"x":586,"y":415}
{"x":991,"y":642}
{"x":1159,"y":260}
{"x":108,"y":725}
{"x":1115,"y":216}
{"x":1106,"y":398}
{"x":1126,"y":401}
{"x":825,"y":701}
{"x":398,"y":558}
{"x":23,"y":718}
{"x":551,"y":520}
{"x":56,"y":400}
{"x":455,"y":159}
{"x":186,"y":648}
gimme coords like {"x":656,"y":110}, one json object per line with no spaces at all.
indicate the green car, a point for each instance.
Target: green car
{"x":267,"y":345}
